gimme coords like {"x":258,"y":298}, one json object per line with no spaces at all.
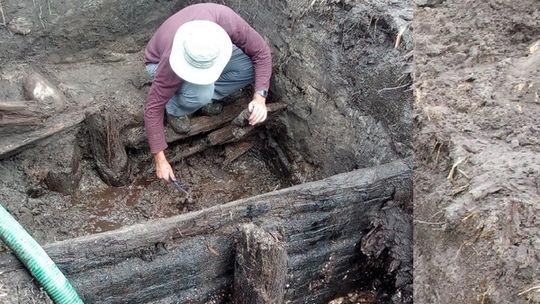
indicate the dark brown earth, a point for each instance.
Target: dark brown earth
{"x":477,"y":144}
{"x":94,"y":206}
{"x":338,"y":65}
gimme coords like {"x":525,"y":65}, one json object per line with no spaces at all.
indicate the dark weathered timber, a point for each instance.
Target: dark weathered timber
{"x":26,"y":108}
{"x":18,"y":120}
{"x":217,"y":137}
{"x":260,"y":269}
{"x":136,"y":137}
{"x":235,"y":150}
{"x":227,"y":134}
{"x":11,"y":144}
{"x":108,"y":149}
{"x":16,"y":114}
{"x":190,"y":258}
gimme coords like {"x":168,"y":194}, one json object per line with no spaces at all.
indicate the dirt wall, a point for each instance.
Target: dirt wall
{"x":477,"y":152}
{"x":75,"y":28}
{"x":335,"y":63}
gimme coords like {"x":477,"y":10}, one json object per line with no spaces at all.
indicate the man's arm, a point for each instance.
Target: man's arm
{"x":163,"y":87}
{"x":253,"y":45}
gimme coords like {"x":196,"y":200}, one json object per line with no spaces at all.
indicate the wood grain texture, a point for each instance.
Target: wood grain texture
{"x":136,"y":137}
{"x":190,"y":257}
{"x":260,"y":268}
{"x":15,"y":143}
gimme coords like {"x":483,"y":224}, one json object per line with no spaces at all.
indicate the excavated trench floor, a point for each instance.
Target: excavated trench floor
{"x":94,"y":206}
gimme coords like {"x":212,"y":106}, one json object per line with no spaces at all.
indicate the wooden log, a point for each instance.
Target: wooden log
{"x":235,"y":150}
{"x":260,"y":268}
{"x":11,"y":144}
{"x":189,"y":258}
{"x":108,"y":149}
{"x":227,"y":134}
{"x":136,"y":138}
{"x":23,"y":107}
{"x":20,"y":113}
{"x":15,"y":120}
{"x":221,"y":136}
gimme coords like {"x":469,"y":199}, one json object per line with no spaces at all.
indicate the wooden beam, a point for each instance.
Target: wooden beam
{"x":136,"y":137}
{"x":24,"y":107}
{"x":20,"y":113}
{"x":11,"y":144}
{"x":260,"y":269}
{"x":226,"y":134}
{"x":190,"y":257}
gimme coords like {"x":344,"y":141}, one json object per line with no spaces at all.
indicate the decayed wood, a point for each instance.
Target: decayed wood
{"x":235,"y":150}
{"x":16,"y":120}
{"x":227,"y":134}
{"x":136,"y":137}
{"x":260,"y":267}
{"x":189,"y":258}
{"x":221,"y":136}
{"x":108,"y":149}
{"x":23,"y":107}
{"x":11,"y":144}
{"x":20,"y":113}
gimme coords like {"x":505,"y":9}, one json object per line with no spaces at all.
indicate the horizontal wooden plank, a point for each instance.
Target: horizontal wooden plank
{"x":189,"y":258}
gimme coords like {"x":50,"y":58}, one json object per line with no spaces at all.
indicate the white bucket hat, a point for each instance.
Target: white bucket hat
{"x":201,"y":49}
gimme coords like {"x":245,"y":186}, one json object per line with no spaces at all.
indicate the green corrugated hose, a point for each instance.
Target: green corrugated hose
{"x":36,"y":260}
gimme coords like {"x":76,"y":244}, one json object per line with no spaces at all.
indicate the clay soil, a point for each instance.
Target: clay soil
{"x":477,"y":142}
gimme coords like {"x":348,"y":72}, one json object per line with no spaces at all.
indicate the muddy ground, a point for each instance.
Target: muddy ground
{"x":338,"y":65}
{"x":477,"y":139}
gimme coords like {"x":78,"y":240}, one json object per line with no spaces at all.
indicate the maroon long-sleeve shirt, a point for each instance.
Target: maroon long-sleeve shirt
{"x":166,"y":82}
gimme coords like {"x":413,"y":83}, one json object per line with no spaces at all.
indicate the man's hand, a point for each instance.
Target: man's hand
{"x":164,"y":170}
{"x":257,"y":108}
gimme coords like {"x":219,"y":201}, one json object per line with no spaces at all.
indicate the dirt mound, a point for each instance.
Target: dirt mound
{"x":477,"y":142}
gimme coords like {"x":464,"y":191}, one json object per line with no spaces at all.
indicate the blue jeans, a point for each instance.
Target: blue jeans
{"x":190,"y":97}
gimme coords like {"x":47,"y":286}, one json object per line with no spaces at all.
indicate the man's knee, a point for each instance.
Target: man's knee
{"x":196,"y":95}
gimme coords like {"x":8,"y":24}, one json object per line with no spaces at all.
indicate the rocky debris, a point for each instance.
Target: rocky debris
{"x":21,"y":25}
{"x":37,"y":87}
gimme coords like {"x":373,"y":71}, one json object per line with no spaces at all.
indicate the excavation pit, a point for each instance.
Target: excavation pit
{"x":342,"y":71}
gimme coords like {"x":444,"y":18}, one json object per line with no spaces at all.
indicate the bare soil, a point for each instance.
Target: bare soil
{"x":477,"y":144}
{"x":94,"y":206}
{"x":336,"y":64}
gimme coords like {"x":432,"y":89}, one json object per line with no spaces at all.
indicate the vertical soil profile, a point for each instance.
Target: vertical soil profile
{"x":477,"y":152}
